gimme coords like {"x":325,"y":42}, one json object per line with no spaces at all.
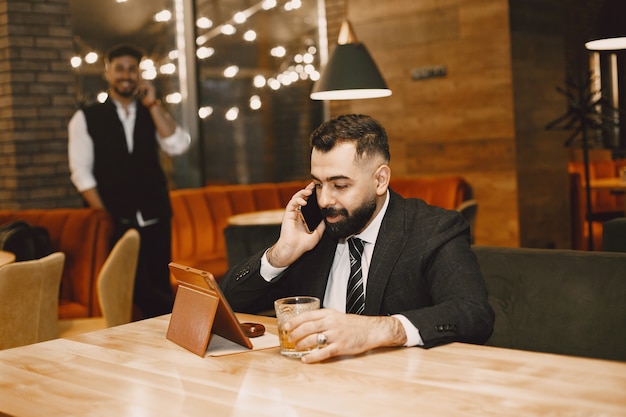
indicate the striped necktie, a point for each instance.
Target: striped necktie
{"x":355,"y":297}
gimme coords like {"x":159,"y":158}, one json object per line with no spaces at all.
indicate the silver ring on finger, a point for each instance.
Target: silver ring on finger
{"x":322,"y":340}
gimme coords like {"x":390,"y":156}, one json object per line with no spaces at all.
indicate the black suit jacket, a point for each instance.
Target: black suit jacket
{"x":422,"y":267}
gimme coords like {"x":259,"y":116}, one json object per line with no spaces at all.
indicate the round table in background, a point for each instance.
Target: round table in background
{"x":6,"y":257}
{"x":256,"y":218}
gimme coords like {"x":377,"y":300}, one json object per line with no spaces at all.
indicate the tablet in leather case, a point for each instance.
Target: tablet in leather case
{"x":200,"y":309}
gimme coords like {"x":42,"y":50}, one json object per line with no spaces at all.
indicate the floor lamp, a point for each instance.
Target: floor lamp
{"x":581,"y":116}
{"x":607,"y":45}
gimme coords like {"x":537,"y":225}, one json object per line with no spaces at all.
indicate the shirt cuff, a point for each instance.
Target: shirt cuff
{"x":175,"y":144}
{"x":269,"y":272}
{"x":413,"y":337}
{"x":84,"y":182}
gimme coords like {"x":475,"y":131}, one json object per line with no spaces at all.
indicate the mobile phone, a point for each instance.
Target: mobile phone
{"x":140,"y":93}
{"x":311,"y":214}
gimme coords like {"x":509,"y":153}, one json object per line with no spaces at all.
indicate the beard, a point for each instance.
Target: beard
{"x":125,"y":92}
{"x":351,"y":223}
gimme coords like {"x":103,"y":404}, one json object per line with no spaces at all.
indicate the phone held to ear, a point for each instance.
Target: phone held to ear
{"x":311,"y":214}
{"x":140,"y":93}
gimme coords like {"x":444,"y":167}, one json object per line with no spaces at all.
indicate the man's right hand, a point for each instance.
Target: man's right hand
{"x":92,"y":197}
{"x":294,"y":240}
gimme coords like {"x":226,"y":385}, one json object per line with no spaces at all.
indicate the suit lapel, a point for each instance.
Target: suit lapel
{"x":389,"y":244}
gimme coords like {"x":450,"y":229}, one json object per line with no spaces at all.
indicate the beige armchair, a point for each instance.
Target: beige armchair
{"x":116,"y":281}
{"x":29,"y":300}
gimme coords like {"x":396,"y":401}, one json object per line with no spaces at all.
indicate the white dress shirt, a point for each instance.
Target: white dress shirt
{"x":335,"y":296}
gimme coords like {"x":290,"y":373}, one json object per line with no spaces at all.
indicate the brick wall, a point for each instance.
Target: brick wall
{"x":36,"y":102}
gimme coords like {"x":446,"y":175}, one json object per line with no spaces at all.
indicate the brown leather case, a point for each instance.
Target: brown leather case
{"x":200,"y":308}
{"x":192,"y":319}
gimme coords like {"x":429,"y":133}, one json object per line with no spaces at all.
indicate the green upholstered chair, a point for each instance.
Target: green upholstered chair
{"x":614,"y":235}
{"x":469,"y":209}
{"x":243,"y":241}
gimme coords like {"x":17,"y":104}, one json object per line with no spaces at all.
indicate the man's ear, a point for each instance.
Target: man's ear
{"x":381,"y":178}
{"x":105,"y":74}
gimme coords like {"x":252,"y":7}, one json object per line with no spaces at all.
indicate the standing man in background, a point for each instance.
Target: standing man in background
{"x":114,"y":164}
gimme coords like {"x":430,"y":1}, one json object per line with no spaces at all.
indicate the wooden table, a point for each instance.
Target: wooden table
{"x":133,"y":370}
{"x":6,"y":257}
{"x":614,"y":185}
{"x":257,"y":218}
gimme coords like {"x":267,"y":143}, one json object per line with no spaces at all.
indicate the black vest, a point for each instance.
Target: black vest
{"x":127,"y":182}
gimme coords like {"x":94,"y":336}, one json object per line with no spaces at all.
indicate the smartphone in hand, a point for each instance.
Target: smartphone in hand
{"x":311,"y":214}
{"x":140,"y":93}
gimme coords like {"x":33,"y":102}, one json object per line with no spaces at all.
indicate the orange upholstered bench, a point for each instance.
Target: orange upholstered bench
{"x":201,"y":214}
{"x":83,"y":235}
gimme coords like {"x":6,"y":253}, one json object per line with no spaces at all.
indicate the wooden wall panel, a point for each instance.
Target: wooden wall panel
{"x":420,"y":28}
{"x":489,"y":156}
{"x":538,"y":60}
{"x":497,"y":218}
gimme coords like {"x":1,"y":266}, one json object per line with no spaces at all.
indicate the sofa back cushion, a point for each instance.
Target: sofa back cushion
{"x":83,"y":235}
{"x":556,"y":300}
{"x":447,"y":192}
{"x":201,"y":215}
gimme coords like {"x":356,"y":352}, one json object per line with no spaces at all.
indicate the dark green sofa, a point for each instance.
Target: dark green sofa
{"x":558,"y":301}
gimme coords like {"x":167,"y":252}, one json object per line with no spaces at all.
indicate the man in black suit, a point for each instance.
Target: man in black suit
{"x":422,"y":284}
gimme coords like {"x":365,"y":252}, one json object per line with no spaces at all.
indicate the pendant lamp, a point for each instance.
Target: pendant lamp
{"x":609,"y":32}
{"x":350,"y":73}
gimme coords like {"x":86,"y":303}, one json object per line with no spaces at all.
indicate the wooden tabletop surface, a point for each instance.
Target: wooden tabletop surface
{"x":6,"y":257}
{"x":132,"y":370}
{"x":615,"y":184}
{"x":257,"y":218}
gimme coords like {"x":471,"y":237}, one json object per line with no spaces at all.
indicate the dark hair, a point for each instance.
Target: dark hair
{"x":123,"y":50}
{"x":369,"y":135}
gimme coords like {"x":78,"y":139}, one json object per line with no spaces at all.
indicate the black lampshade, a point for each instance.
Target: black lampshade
{"x":350,"y":73}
